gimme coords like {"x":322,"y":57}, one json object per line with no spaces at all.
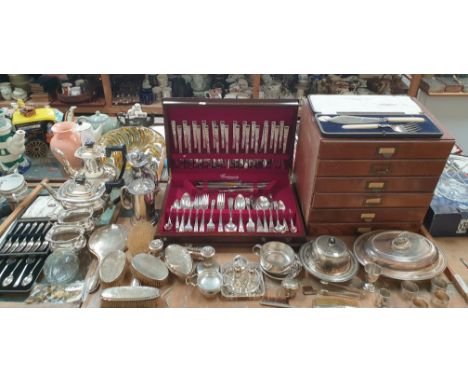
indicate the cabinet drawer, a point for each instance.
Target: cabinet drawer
{"x":383,"y":149}
{"x":367,"y":215}
{"x":341,"y":200}
{"x":389,"y":184}
{"x":380,"y":168}
{"x":346,"y":229}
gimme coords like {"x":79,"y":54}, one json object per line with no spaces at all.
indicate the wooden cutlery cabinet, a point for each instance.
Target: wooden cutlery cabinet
{"x":352,"y":185}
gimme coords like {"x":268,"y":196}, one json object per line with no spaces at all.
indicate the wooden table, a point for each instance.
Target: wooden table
{"x":179,"y":295}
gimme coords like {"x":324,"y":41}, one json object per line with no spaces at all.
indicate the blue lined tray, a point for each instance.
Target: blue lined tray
{"x":334,"y":130}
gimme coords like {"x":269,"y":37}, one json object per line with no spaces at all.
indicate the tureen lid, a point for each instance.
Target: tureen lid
{"x":12,"y":182}
{"x":330,"y":246}
{"x":400,"y":248}
{"x":80,"y":189}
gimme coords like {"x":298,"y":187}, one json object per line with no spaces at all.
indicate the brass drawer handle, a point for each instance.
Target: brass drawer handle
{"x":368,"y":217}
{"x":375,"y":185}
{"x":373,"y":201}
{"x":387,"y":152}
{"x":363,"y":229}
{"x":380,"y":169}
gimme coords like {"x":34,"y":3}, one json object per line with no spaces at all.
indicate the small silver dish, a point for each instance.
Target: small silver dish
{"x":276,"y":257}
{"x":208,"y":282}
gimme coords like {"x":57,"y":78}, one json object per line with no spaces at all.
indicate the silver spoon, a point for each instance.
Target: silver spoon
{"x":239,"y":204}
{"x":168,"y":225}
{"x":10,"y":261}
{"x":282,"y":208}
{"x":29,"y":278}
{"x":184,"y":204}
{"x":230,"y":226}
{"x":278,"y":227}
{"x":29,"y":260}
{"x":9,"y":279}
{"x":291,"y":223}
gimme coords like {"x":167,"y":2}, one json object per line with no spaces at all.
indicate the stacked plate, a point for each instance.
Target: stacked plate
{"x":402,"y":255}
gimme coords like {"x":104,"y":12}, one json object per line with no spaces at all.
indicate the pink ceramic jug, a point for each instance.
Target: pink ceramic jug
{"x":67,"y":140}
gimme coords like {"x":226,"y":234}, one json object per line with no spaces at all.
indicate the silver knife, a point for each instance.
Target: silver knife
{"x":244,"y":125}
{"x":272,"y":134}
{"x":187,"y":137}
{"x":285,"y":138}
{"x":352,"y":119}
{"x":194,"y":134}
{"x":265,"y":137}
{"x":179,"y":138}
{"x":275,"y":143}
{"x":215,"y":136}
{"x":280,"y":136}
{"x":247,"y":135}
{"x":221,"y":128}
{"x":174,"y":134}
{"x":256,"y":133}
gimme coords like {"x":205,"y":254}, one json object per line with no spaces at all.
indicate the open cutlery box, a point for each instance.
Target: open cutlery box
{"x":231,"y":147}
{"x":427,"y":128}
{"x":24,"y":240}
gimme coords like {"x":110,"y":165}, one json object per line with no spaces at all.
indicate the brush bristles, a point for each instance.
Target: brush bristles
{"x":129,"y":304}
{"x":147,"y":281}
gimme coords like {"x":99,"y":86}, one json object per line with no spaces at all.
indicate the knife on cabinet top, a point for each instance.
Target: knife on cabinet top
{"x":353,"y":119}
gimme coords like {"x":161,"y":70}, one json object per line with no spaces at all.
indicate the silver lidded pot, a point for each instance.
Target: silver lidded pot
{"x":331,"y":254}
{"x":81,"y":193}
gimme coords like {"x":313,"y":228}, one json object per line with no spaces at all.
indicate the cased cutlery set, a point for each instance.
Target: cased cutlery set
{"x":22,"y":254}
{"x":230,"y":165}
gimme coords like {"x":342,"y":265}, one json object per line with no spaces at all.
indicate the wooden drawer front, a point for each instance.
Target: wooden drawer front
{"x":385,"y":149}
{"x":380,"y":168}
{"x":371,"y":200}
{"x":346,"y":229}
{"x":367,"y":215}
{"x":389,"y":184}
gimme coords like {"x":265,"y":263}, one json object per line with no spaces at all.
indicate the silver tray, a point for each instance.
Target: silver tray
{"x":404,"y":275}
{"x":311,"y":267}
{"x":258,"y":293}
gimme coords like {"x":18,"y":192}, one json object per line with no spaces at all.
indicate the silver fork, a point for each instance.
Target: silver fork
{"x":220,"y":206}
{"x":196,"y":204}
{"x":250,"y":226}
{"x":188,"y":226}
{"x":205,"y":201}
{"x":210,"y":226}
